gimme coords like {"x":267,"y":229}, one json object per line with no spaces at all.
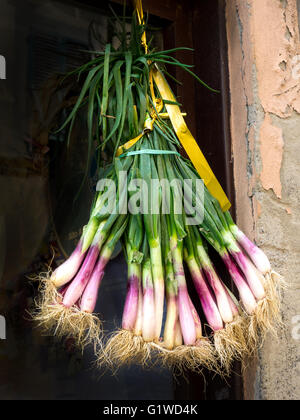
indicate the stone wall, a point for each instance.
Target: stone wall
{"x":263,"y":39}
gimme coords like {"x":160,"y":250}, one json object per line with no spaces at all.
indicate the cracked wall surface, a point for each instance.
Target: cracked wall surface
{"x":264,"y":67}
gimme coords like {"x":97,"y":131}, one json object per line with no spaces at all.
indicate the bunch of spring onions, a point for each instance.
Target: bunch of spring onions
{"x":168,"y":257}
{"x":171,"y":249}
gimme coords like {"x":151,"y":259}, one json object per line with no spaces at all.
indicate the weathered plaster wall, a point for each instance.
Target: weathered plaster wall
{"x":263,"y":38}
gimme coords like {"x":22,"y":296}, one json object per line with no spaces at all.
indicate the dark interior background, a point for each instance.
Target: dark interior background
{"x":38,"y":179}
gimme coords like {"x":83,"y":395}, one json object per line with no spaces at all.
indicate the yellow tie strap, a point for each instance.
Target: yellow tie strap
{"x":189,"y":143}
{"x":140,"y":15}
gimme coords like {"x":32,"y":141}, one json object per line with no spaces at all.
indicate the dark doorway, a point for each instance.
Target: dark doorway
{"x":31,"y":366}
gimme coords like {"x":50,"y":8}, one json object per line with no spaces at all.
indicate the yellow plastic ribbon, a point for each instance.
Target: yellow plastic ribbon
{"x":140,"y":15}
{"x":148,"y":126}
{"x":129,"y":144}
{"x":149,"y":123}
{"x":183,"y":133}
{"x":189,"y":143}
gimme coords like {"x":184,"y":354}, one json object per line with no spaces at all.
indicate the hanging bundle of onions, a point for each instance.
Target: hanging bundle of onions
{"x":177,"y":308}
{"x":235,"y":319}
